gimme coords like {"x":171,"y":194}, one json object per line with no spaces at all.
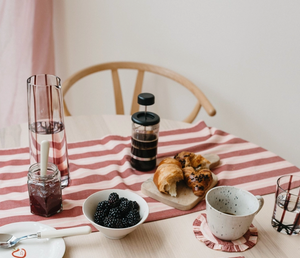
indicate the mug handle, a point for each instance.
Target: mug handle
{"x":261,"y":202}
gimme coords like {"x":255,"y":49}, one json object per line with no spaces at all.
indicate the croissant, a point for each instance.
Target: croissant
{"x":170,"y":161}
{"x":196,"y":173}
{"x":187,"y":166}
{"x":199,"y":180}
{"x":167,"y":174}
{"x":191,"y":159}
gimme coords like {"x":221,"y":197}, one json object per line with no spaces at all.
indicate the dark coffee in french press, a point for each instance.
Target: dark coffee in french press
{"x":144,"y":138}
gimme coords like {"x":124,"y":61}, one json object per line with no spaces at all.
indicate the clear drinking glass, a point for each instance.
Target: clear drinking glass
{"x":286,"y":215}
{"x":46,"y":122}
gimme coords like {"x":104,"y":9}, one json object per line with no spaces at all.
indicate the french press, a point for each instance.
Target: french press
{"x":144,"y":138}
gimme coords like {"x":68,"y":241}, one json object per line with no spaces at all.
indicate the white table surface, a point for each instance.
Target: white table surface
{"x":172,"y":237}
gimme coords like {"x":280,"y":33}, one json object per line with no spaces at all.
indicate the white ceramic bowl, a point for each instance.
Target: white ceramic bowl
{"x":90,"y":205}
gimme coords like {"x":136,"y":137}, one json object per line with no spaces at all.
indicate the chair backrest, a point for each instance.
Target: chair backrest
{"x":141,"y":68}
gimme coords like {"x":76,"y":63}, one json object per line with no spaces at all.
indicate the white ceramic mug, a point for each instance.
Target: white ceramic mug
{"x":230,"y":211}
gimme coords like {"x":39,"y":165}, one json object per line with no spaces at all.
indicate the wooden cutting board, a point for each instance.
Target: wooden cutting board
{"x":185,"y":199}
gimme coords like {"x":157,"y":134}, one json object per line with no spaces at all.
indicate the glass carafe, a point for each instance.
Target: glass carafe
{"x":46,"y":122}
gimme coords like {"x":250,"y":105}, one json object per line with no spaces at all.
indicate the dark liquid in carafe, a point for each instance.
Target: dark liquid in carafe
{"x":143,"y":150}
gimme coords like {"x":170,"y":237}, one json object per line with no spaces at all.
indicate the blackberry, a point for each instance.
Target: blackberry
{"x":125,"y":207}
{"x":109,"y":222}
{"x":133,"y":217}
{"x":104,"y":205}
{"x":112,"y":222}
{"x":135,"y":205}
{"x":119,"y":223}
{"x":125,"y":222}
{"x":114,"y":212}
{"x":113,"y":199}
{"x":130,"y":205}
{"x":99,"y":216}
{"x":123,"y":199}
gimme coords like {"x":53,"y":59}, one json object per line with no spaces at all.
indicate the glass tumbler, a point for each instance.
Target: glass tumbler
{"x":45,"y":194}
{"x":46,"y":122}
{"x":286,"y":215}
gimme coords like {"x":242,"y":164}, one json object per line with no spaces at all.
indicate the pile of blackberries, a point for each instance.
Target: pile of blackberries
{"x":117,"y":212}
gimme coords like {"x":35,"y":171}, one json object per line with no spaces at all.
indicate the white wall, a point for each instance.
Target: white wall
{"x":244,"y":55}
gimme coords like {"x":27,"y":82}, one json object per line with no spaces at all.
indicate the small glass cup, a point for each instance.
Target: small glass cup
{"x":45,"y":194}
{"x":286,"y":215}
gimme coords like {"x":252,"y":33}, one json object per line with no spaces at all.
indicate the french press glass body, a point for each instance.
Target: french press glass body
{"x":144,"y":138}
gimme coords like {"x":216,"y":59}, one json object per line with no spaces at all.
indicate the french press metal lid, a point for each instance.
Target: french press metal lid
{"x":145,"y":118}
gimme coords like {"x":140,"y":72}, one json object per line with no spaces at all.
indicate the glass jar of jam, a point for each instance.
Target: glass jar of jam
{"x":45,"y":194}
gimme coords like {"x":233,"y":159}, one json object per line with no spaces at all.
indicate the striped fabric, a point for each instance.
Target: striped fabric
{"x":104,"y":164}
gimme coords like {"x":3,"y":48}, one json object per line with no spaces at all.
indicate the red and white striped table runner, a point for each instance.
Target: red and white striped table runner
{"x":104,"y":164}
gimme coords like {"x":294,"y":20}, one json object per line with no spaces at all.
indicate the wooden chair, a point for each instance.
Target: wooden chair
{"x":141,"y":68}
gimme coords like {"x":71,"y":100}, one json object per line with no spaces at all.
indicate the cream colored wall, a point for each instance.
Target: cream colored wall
{"x":244,"y":55}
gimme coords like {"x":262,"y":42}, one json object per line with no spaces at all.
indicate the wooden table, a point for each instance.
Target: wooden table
{"x":165,"y":238}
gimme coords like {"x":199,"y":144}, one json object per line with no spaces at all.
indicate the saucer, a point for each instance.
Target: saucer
{"x":33,"y":248}
{"x":203,"y":234}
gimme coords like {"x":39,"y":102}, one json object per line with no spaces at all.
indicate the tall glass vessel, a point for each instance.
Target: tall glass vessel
{"x":144,"y":138}
{"x":46,"y":122}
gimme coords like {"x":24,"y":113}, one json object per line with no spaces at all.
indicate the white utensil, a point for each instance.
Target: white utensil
{"x":7,"y":240}
{"x":44,"y":157}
